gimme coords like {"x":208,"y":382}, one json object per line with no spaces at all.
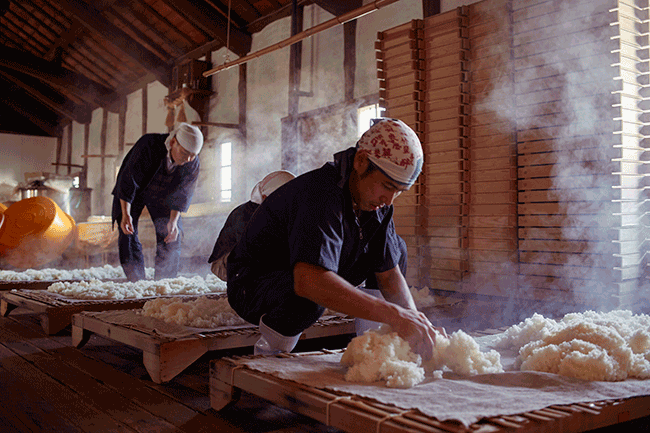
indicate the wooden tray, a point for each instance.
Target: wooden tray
{"x":352,"y":413}
{"x":165,"y":357}
{"x":56,"y":312}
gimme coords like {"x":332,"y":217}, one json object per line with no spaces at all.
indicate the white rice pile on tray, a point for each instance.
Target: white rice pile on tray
{"x":106,"y":272}
{"x":382,"y":355}
{"x":611,"y":346}
{"x":608,"y":346}
{"x":96,"y":289}
{"x":198,"y":313}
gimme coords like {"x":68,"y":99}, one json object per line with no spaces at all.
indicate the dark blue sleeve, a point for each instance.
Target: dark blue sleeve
{"x":232,"y":230}
{"x":316,"y":236}
{"x":181,"y":197}
{"x":137,"y":169}
{"x":388,"y":247}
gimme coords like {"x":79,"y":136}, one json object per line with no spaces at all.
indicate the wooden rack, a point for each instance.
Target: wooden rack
{"x":353,"y":413}
{"x":165,"y":357}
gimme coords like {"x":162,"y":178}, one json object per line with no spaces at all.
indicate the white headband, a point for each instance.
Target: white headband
{"x":188,"y":136}
{"x":270,"y":183}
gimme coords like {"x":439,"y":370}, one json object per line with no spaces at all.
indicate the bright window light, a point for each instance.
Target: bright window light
{"x":365,"y":115}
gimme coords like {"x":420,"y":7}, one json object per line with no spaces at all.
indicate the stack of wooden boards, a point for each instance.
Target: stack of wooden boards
{"x":531,"y":117}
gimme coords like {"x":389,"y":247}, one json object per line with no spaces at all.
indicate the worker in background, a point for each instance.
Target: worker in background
{"x":315,"y":239}
{"x":159,"y":172}
{"x":239,"y":217}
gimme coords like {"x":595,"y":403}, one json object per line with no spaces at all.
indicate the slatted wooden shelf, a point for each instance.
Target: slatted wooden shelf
{"x":56,"y":312}
{"x":165,"y":357}
{"x":353,"y":413}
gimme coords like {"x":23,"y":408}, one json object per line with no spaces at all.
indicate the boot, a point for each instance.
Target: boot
{"x":272,"y":342}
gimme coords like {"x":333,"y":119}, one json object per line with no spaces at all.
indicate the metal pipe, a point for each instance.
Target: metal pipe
{"x":349,"y":16}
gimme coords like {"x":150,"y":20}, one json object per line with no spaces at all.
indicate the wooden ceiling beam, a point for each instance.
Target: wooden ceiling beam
{"x":175,"y":51}
{"x":97,"y":24}
{"x":60,"y":78}
{"x":29,"y":115}
{"x":204,"y":17}
{"x":235,"y":20}
{"x":284,"y":11}
{"x":337,"y":8}
{"x":139,"y":34}
{"x":81,"y":114}
{"x":152,"y":13}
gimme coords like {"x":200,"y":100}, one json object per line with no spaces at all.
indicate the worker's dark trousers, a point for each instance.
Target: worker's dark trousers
{"x":274,"y":296}
{"x":167,"y":260}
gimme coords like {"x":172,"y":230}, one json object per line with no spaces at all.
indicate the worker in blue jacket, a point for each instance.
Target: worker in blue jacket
{"x":315,"y":239}
{"x":159,"y":172}
{"x":237,"y":219}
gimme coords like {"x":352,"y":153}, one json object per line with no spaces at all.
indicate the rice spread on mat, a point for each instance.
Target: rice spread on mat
{"x":202,"y":312}
{"x":106,"y":272}
{"x":96,"y":289}
{"x":382,"y":355}
{"x":605,"y":346}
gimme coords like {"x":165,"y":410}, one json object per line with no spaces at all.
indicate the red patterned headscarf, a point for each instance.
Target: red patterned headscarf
{"x":395,"y":149}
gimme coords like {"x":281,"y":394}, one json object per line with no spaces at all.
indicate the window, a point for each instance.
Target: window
{"x":226,"y":172}
{"x":365,"y":115}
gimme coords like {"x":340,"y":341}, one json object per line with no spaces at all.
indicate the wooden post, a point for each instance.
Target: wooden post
{"x":243,"y":95}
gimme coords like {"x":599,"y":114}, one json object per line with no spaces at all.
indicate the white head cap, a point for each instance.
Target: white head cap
{"x":395,"y":149}
{"x":270,"y":183}
{"x":188,"y":136}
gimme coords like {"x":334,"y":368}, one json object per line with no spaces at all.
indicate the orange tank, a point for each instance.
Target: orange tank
{"x":34,"y":231}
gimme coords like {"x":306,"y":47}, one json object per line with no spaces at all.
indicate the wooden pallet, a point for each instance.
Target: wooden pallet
{"x":56,"y":312}
{"x":165,"y":357}
{"x":5,"y":286}
{"x":353,"y":413}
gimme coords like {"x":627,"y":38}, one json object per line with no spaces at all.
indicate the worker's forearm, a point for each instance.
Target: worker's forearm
{"x":328,"y":289}
{"x":395,"y":289}
{"x":126,"y":207}
{"x":174,"y":216}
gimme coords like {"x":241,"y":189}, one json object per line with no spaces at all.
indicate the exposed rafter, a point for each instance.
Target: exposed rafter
{"x":63,"y":79}
{"x":62,"y":59}
{"x":213,"y":24}
{"x":96,"y":23}
{"x":66,"y":108}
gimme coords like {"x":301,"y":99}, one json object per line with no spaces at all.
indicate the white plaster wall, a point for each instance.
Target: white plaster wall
{"x":366,"y":82}
{"x":133,"y":122}
{"x":447,"y":5}
{"x":156,"y":109}
{"x":23,"y":154}
{"x":267,"y":101}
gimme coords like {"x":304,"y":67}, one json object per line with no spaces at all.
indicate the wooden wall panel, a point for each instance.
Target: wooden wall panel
{"x":565,"y":146}
{"x":533,"y":121}
{"x":444,"y":237}
{"x":492,"y":152}
{"x":400,"y":64}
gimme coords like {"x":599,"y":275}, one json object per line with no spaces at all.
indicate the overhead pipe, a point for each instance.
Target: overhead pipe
{"x":341,"y":19}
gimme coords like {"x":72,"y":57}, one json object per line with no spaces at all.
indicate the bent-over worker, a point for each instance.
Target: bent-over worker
{"x":159,"y":172}
{"x":238,"y":218}
{"x":315,"y":239}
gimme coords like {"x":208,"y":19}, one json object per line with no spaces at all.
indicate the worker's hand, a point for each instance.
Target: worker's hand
{"x":126,"y":224}
{"x":416,"y":328}
{"x":172,"y":232}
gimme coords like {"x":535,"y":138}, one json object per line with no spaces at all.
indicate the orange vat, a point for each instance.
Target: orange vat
{"x":34,"y":231}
